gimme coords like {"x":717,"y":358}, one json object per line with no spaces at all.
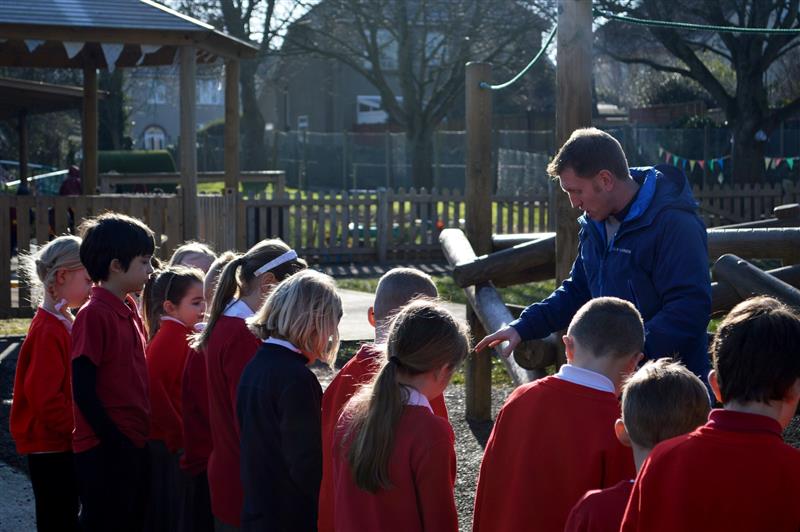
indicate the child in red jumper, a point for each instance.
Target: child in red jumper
{"x":554,"y":438}
{"x":41,"y":419}
{"x":229,"y":345}
{"x":735,"y":472}
{"x":109,"y":376}
{"x":172,"y":303}
{"x":395,"y":289}
{"x":278,"y":404}
{"x":196,"y":502}
{"x":660,"y":401}
{"x":394,"y":462}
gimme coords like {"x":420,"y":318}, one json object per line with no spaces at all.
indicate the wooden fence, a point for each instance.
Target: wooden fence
{"x":732,"y":204}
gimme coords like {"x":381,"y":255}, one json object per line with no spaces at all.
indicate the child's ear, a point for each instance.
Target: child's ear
{"x":115,"y":266}
{"x":714,"y":383}
{"x":569,"y":347}
{"x":169,"y":307}
{"x":371,"y":316}
{"x":61,"y":277}
{"x":267,"y":282}
{"x":622,"y":433}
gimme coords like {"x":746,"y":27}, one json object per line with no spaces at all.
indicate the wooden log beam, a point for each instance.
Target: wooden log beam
{"x":505,"y":241}
{"x":724,"y":296}
{"x":493,"y":314}
{"x":748,"y":280}
{"x":506,"y":263}
{"x":767,"y":243}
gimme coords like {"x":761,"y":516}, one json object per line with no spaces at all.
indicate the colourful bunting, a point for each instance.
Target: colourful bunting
{"x":674,"y":160}
{"x":711,"y":164}
{"x":660,"y":151}
{"x":777,"y":161}
{"x":721,"y":163}
{"x":692,"y":162}
{"x":767,"y":163}
{"x":702,"y":164}
{"x":790,"y":162}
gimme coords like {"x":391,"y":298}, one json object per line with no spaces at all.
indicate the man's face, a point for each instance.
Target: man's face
{"x":588,"y":194}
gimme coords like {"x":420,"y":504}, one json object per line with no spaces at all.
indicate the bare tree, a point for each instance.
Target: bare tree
{"x":693,"y":53}
{"x":414,"y":51}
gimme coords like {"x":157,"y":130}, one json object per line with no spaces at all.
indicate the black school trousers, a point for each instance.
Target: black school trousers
{"x":55,"y":489}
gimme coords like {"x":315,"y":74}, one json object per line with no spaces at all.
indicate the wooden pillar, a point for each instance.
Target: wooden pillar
{"x":22,"y":131}
{"x":90,"y":131}
{"x":232,"y":164}
{"x":188,"y":143}
{"x":478,"y":208}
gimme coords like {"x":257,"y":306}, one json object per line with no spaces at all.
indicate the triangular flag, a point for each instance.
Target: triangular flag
{"x":721,"y":163}
{"x":683,"y":163}
{"x":111,"y":53}
{"x":767,"y":163}
{"x":147,"y":49}
{"x":776,"y":162}
{"x":660,"y":151}
{"x":667,"y":156}
{"x":33,"y":44}
{"x":692,"y":162}
{"x":711,"y":164}
{"x":674,"y":160}
{"x":702,"y":164}
{"x":790,"y":162}
{"x":720,"y":178}
{"x":72,"y":48}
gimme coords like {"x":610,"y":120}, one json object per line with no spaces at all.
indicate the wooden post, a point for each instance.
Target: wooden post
{"x":749,"y":281}
{"x":90,"y":131}
{"x":22,"y":131}
{"x":232,"y":163}
{"x":188,"y":145}
{"x":383,"y":215}
{"x":573,"y":111}
{"x":478,"y":199}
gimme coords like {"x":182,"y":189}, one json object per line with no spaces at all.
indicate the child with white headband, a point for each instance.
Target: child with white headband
{"x":243,"y":286}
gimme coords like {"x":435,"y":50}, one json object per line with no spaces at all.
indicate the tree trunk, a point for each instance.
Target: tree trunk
{"x":748,"y":156}
{"x":253,"y":151}
{"x":421,"y":143}
{"x":751,"y":109}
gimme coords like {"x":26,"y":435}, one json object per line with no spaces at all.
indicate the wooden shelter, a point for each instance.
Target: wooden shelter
{"x":109,"y":34}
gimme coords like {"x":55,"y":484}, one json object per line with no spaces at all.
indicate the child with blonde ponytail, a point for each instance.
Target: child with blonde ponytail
{"x":394,"y":461}
{"x":41,"y":413}
{"x":228,"y":344}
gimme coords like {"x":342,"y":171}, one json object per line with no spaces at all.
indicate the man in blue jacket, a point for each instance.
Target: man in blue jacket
{"x":640,"y":240}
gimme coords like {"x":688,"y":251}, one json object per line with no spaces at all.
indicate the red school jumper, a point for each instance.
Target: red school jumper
{"x":110,"y":333}
{"x":422,"y":470}
{"x":41,"y":413}
{"x":358,"y":371}
{"x":196,"y":428}
{"x":733,"y":473}
{"x":230,"y":347}
{"x":166,"y":358}
{"x":553,"y":440}
{"x":600,"y":510}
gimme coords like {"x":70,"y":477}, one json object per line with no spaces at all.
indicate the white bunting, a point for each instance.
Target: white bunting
{"x":112,"y":53}
{"x":33,"y":44}
{"x":147,"y":49}
{"x":72,"y":48}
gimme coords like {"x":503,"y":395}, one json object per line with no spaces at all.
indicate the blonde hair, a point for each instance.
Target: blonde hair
{"x":238,"y":275}
{"x":424,"y":336}
{"x":169,"y":284}
{"x":304,"y":310}
{"x":662,"y":400}
{"x":397,"y":287}
{"x":39,"y":268}
{"x":190,"y":248}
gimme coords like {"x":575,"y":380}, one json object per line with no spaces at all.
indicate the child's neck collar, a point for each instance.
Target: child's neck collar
{"x":772,"y":409}
{"x":589,"y":377}
{"x":114,"y":288}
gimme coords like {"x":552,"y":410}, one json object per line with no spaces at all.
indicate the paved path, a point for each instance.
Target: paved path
{"x":16,"y":508}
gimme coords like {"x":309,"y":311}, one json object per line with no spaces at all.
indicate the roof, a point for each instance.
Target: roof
{"x":35,"y":97}
{"x":92,"y":23}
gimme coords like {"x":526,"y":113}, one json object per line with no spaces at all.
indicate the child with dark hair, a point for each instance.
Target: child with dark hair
{"x":660,"y":401}
{"x":243,"y":285}
{"x":41,"y":419}
{"x":394,"y":463}
{"x":172,"y":303}
{"x":735,"y":472}
{"x":109,"y":375}
{"x":554,"y":438}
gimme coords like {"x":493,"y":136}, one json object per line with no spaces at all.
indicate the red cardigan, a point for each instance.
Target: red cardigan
{"x":358,"y":371}
{"x":733,"y":473}
{"x":422,"y":470}
{"x":196,"y":429}
{"x":41,"y":413}
{"x":166,"y":358}
{"x":230,"y":347}
{"x":600,"y":510}
{"x":552,"y":441}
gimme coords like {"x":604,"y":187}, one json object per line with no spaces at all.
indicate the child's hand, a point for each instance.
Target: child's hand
{"x":506,"y":334}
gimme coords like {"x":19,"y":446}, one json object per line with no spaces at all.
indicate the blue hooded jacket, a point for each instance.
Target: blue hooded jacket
{"x":658,"y":260}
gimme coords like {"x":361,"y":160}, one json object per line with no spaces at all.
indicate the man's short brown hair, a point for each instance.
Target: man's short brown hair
{"x":608,"y":326}
{"x":756,"y":351}
{"x":663,"y":400}
{"x":587,"y":152}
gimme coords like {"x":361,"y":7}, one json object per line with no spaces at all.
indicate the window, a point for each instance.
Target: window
{"x":369,"y":111}
{"x":387,"y":50}
{"x":158,"y":93}
{"x":154,"y":138}
{"x":210,"y":92}
{"x":435,"y":49}
{"x":302,"y":122}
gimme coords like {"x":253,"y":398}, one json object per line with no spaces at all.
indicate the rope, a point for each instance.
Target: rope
{"x":688,"y":26}
{"x":485,"y":85}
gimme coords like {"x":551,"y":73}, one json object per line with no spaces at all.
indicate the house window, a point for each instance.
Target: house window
{"x":154,"y":138}
{"x":158,"y":93}
{"x":435,"y":50}
{"x":387,"y":50}
{"x":209,"y":92}
{"x":369,"y":111}
{"x":302,"y":122}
